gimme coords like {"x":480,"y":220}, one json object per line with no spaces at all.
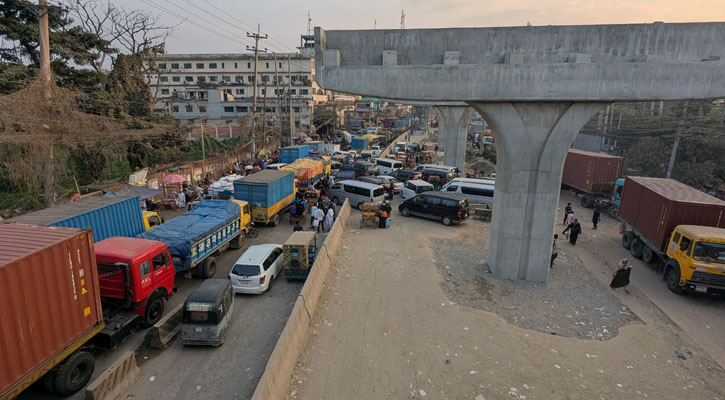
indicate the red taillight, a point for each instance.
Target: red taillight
{"x":229,"y":277}
{"x":261,"y":279}
{"x":460,"y":213}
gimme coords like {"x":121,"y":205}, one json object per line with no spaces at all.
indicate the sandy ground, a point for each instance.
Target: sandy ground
{"x":386,"y":329}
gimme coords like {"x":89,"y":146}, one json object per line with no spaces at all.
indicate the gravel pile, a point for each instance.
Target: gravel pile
{"x":571,"y":303}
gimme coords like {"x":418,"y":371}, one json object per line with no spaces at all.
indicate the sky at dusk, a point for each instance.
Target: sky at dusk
{"x":284,"y":21}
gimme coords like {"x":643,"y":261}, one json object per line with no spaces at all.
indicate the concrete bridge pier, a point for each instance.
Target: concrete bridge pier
{"x":532,"y":139}
{"x":452,"y":125}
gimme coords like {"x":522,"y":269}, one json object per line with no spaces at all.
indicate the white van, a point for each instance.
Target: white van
{"x":387,"y":165}
{"x":420,"y":167}
{"x":357,"y":192}
{"x":477,"y":181}
{"x":475,"y":193}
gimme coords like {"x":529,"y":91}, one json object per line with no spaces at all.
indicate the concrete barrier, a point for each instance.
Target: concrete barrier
{"x":115,"y":380}
{"x":159,"y":335}
{"x":275,"y":380}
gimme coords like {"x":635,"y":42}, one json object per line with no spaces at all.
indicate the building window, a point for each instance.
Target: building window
{"x":164,"y":91}
{"x":305,"y":92}
{"x":239,"y":91}
{"x":250,"y":78}
{"x":189,"y":78}
{"x":162,"y":65}
{"x":264,"y":92}
{"x":228,"y":91}
{"x":187,"y":65}
{"x":199,"y":65}
{"x":239,"y":78}
{"x":227,"y":78}
{"x":228,"y":109}
{"x":189,"y":109}
{"x":242,"y":109}
{"x":297,"y":109}
{"x":267,"y":65}
{"x":176,"y":79}
{"x":265,"y":78}
{"x":235,"y":65}
{"x":249,"y":65}
{"x":175,"y":108}
{"x":164,"y":79}
{"x":174,"y":65}
{"x":294,"y":92}
{"x":212,"y":65}
{"x":202,"y":108}
{"x":201,"y":79}
{"x":212,"y":79}
{"x":280,"y":65}
{"x":222,"y":65}
{"x":294,"y":78}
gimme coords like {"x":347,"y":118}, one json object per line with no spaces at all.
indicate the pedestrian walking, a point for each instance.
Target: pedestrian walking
{"x":313,"y":210}
{"x":568,"y":210}
{"x":574,"y":230}
{"x":319,"y":216}
{"x":329,"y":218}
{"x":595,"y":218}
{"x":620,"y":277}
{"x":554,"y":251}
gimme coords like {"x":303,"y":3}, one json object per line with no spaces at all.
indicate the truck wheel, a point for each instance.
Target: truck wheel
{"x":587,"y":201}
{"x":627,"y":239}
{"x":648,"y":255}
{"x":154,"y":310}
{"x":74,"y":373}
{"x":672,"y":277}
{"x":238,"y":241}
{"x":208,"y":269}
{"x":613,"y":212}
{"x":636,"y":248}
{"x":274,"y":221}
{"x":253,"y":233}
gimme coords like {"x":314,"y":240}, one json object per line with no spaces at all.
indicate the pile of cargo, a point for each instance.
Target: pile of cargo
{"x":307,"y":171}
{"x":224,"y":184}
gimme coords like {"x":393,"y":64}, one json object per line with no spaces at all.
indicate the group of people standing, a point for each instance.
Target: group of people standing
{"x":322,"y":215}
{"x":573,"y":227}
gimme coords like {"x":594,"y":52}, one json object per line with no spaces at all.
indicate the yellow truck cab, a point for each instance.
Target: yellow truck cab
{"x":245,"y":216}
{"x":696,"y":259}
{"x":152,"y":219}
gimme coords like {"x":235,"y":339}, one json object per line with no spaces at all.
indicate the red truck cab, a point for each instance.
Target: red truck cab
{"x":135,"y":275}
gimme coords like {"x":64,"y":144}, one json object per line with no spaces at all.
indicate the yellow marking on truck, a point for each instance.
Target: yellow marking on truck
{"x":86,"y":311}
{"x":83,"y":282}
{"x":83,"y":291}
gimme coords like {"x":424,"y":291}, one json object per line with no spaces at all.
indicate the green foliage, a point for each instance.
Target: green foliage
{"x":647,"y":156}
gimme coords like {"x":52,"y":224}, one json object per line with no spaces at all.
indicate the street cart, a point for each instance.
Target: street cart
{"x":300,"y":251}
{"x":369,"y":215}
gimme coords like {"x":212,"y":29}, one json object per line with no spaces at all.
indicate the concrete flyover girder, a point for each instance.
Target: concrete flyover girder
{"x":452,"y":132}
{"x":538,"y":63}
{"x":536,"y":87}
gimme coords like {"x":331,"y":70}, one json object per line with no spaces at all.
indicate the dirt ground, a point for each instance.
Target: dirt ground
{"x":388,"y":328}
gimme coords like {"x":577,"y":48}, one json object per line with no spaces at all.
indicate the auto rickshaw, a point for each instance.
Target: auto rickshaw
{"x":300,"y":251}
{"x":206,"y":313}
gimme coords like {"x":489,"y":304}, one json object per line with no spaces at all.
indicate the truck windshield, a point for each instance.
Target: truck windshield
{"x":245,"y":270}
{"x":710,"y":252}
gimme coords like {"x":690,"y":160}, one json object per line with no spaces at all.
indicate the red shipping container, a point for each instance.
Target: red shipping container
{"x":655,"y":206}
{"x":593,"y":173}
{"x":49,"y":299}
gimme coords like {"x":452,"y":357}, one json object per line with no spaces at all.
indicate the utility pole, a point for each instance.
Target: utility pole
{"x":402,"y":19}
{"x":290,"y":111}
{"x":256,"y":49}
{"x":44,"y":42}
{"x":279,"y":98}
{"x":264,"y":116}
{"x":203,"y":152}
{"x":673,"y":156}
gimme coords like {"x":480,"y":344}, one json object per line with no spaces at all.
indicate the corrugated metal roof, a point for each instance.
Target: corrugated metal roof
{"x":21,"y":240}
{"x":677,"y":191}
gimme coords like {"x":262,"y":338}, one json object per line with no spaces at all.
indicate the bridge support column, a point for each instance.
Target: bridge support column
{"x":452,"y":125}
{"x":532,"y":140}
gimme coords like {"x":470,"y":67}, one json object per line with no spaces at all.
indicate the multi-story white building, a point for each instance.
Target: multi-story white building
{"x":219,"y":87}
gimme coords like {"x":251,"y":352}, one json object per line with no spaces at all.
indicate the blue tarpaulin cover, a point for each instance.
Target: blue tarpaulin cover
{"x":182,"y":232}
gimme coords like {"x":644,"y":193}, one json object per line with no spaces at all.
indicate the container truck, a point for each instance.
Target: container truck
{"x":268,"y":193}
{"x":107,"y":216}
{"x":594,"y":176}
{"x":315,"y":145}
{"x":50,"y":308}
{"x":196,"y":237}
{"x":132,"y":277}
{"x":359,"y":143}
{"x":679,"y":228}
{"x":307,"y":172}
{"x":290,"y":153}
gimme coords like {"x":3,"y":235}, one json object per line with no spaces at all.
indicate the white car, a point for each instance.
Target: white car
{"x":376,"y":150}
{"x":414,"y":188}
{"x":254,"y":270}
{"x":397,"y":185}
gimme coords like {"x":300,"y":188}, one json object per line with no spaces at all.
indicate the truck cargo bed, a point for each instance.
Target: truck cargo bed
{"x":593,"y":173}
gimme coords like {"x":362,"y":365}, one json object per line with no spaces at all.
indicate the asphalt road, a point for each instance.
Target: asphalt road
{"x":230,"y":371}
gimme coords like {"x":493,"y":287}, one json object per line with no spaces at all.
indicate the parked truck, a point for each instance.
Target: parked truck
{"x":107,"y":216}
{"x":359,"y":143}
{"x":268,"y":193}
{"x":307,"y":172}
{"x":196,"y":237}
{"x":594,"y":176}
{"x":290,"y":153}
{"x":679,"y":228}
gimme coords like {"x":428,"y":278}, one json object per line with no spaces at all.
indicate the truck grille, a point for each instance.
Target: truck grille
{"x":710,"y":279}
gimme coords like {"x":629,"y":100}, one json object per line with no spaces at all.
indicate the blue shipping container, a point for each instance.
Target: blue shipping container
{"x":107,"y":216}
{"x":356,"y":124}
{"x":265,"y":188}
{"x":359,"y":143}
{"x":316,"y":145}
{"x":194,"y":235}
{"x":290,"y":153}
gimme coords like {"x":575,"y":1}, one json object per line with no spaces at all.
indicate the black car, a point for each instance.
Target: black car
{"x":405,"y":175}
{"x":448,"y":208}
{"x":444,"y":176}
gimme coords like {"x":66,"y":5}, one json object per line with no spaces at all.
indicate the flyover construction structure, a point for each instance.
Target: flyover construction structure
{"x":536,"y":87}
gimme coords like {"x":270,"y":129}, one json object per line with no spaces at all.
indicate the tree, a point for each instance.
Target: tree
{"x":649,"y":155}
